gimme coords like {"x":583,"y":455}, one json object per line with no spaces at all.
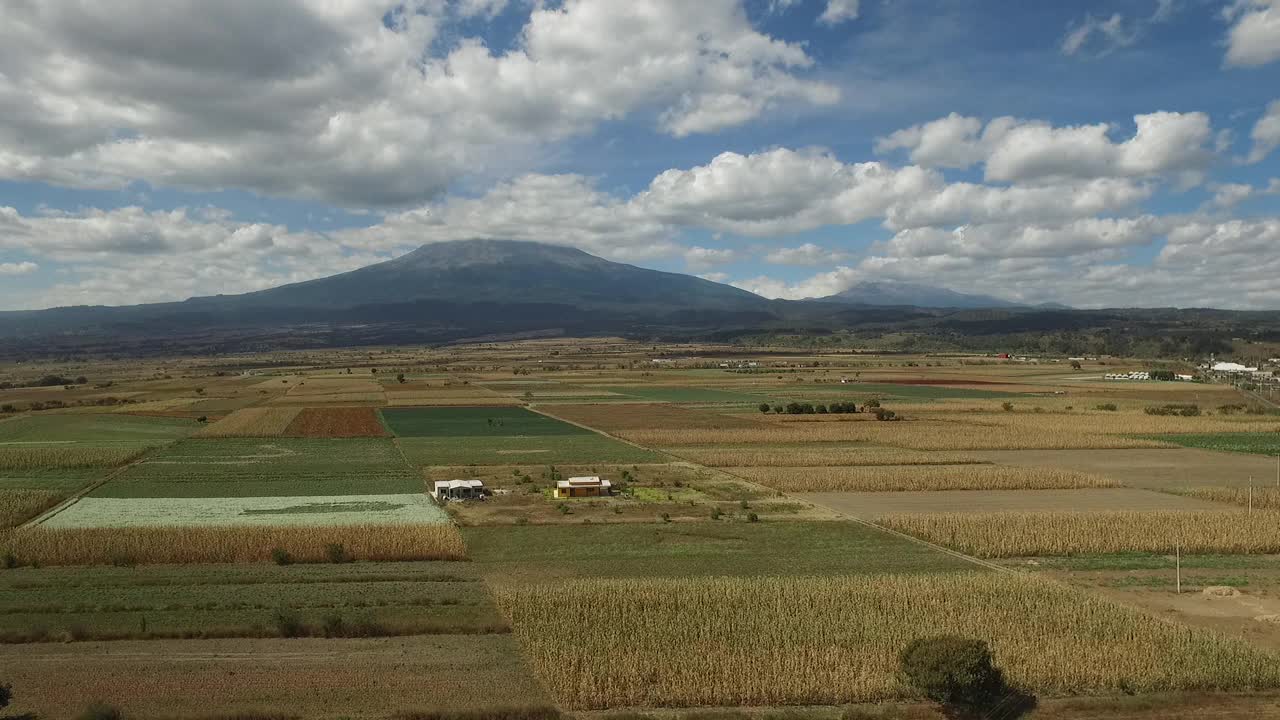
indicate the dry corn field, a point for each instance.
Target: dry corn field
{"x":924,"y":477}
{"x":996,"y":535}
{"x":814,"y":456}
{"x":1110,"y":423}
{"x":252,"y":422}
{"x":915,"y":435}
{"x":740,"y":641}
{"x":19,"y":506}
{"x":65,"y":457}
{"x":170,"y":545}
{"x":1262,"y":497}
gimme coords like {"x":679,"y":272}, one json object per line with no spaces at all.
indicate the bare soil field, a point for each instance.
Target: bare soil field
{"x":314,"y":678}
{"x":1152,"y":469}
{"x":1250,"y":611}
{"x":338,"y":422}
{"x":868,"y":505}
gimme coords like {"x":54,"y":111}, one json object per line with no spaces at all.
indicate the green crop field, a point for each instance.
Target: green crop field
{"x":294,"y":511}
{"x":56,"y":480}
{"x":473,"y":421}
{"x":532,"y":553}
{"x":583,"y":448}
{"x":101,"y":429}
{"x":1258,"y":443}
{"x":243,"y":601}
{"x":235,"y":467}
{"x":685,"y":394}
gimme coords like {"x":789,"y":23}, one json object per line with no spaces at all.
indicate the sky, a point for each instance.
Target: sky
{"x":1098,"y":154}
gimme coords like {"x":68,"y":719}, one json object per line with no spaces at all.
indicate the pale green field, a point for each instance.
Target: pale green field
{"x":88,"y":512}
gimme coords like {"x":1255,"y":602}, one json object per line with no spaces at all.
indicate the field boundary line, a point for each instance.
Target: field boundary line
{"x":77,"y":495}
{"x":1255,"y":396}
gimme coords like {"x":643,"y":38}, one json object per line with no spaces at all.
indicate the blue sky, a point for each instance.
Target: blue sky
{"x":1092,"y":153}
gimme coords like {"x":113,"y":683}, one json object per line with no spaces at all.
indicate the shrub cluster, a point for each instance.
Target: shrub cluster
{"x":1174,"y":409}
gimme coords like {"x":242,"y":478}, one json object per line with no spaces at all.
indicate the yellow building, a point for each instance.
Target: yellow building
{"x":577,"y":487}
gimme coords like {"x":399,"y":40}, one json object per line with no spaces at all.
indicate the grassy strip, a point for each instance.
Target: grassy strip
{"x":925,"y":477}
{"x":166,"y":545}
{"x":737,"y":641}
{"x":997,"y":535}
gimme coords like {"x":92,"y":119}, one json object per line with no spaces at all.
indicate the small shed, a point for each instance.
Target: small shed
{"x":588,"y":486}
{"x":458,"y":490}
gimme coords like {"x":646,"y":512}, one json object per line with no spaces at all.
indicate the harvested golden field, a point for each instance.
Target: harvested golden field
{"x":915,"y":435}
{"x":813,"y":455}
{"x":637,"y":416}
{"x":1014,"y":534}
{"x":19,"y":506}
{"x":1113,"y":423}
{"x":35,"y":457}
{"x":926,"y":477}
{"x":249,"y":544}
{"x":251,"y":422}
{"x":835,"y":640}
{"x":355,"y":398}
{"x":1265,"y":497}
{"x":344,"y":386}
{"x":345,"y":422}
{"x":433,"y":399}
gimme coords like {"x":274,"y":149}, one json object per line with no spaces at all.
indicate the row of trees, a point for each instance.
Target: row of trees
{"x":807,"y":408}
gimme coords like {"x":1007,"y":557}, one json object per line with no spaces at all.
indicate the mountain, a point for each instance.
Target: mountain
{"x":893,"y":292}
{"x":441,"y":291}
{"x":501,"y":271}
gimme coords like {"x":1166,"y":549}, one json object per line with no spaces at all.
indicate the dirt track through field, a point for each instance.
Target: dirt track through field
{"x":1153,"y":469}
{"x":868,"y":505}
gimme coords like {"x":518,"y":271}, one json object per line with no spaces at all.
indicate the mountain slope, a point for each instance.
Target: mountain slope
{"x":503,"y":271}
{"x":888,"y":292}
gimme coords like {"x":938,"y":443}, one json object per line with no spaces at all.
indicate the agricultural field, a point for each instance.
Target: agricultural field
{"x":1258,"y":443}
{"x":917,"y":477}
{"x":501,"y":436}
{"x":1064,"y":533}
{"x":727,"y":641}
{"x":998,"y":503}
{"x":348,"y":600}
{"x":274,"y":677}
{"x":277,"y":467}
{"x":258,"y":528}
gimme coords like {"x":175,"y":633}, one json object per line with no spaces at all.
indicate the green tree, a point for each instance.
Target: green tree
{"x":6,"y":694}
{"x":764,"y":407}
{"x":960,"y":675}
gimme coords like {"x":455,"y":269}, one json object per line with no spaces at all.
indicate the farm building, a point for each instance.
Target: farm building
{"x":589,"y":486}
{"x":458,"y":490}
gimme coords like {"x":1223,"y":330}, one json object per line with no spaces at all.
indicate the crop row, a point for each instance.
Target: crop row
{"x":740,"y":641}
{"x":1084,"y":533}
{"x":927,"y":477}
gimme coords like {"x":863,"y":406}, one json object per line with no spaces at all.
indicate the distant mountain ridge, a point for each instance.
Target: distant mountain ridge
{"x":503,"y":271}
{"x":897,"y":292}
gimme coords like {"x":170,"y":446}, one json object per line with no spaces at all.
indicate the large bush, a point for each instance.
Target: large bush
{"x":960,"y":675}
